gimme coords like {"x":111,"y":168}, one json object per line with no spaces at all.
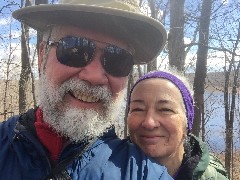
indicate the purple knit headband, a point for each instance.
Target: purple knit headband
{"x":186,"y":95}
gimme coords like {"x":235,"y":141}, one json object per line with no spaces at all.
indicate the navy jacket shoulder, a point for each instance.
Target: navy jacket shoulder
{"x":23,"y":157}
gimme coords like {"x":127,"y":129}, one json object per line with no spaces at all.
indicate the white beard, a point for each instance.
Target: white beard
{"x":74,"y":123}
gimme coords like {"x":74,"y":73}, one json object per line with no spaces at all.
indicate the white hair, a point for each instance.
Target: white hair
{"x":186,"y":82}
{"x":182,"y":77}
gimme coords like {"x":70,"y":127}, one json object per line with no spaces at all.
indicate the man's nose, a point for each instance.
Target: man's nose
{"x":94,"y":73}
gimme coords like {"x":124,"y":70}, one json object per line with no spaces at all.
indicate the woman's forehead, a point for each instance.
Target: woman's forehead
{"x":155,"y":84}
{"x":156,"y":87}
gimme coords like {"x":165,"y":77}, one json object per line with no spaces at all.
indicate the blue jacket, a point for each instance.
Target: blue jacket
{"x":22,"y":156}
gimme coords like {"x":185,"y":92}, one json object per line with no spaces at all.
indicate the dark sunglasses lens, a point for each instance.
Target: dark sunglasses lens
{"x":75,"y":51}
{"x":117,"y":62}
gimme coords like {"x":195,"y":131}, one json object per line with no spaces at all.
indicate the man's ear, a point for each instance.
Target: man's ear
{"x":41,"y":55}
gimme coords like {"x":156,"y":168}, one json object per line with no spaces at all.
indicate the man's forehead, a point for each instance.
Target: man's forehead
{"x":59,"y":31}
{"x":66,"y":29}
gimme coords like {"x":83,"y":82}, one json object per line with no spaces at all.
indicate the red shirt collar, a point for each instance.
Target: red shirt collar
{"x":50,"y":139}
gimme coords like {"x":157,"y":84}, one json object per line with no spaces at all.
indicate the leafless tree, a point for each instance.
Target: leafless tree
{"x":155,"y":13}
{"x":8,"y":5}
{"x":176,"y":35}
{"x":39,"y":34}
{"x":7,"y":102}
{"x":201,"y":68}
{"x":26,"y":68}
{"x":230,"y":101}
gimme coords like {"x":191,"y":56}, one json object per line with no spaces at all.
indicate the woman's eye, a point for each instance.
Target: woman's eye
{"x":136,"y":109}
{"x":166,"y":110}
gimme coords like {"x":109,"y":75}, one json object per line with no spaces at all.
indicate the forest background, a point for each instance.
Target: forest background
{"x":203,"y":43}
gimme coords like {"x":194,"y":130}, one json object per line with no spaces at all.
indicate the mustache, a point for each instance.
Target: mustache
{"x":76,"y":85}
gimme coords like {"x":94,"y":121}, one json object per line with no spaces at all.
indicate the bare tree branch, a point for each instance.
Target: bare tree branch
{"x":214,"y":48}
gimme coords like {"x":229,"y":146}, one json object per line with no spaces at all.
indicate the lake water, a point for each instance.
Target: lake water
{"x":215,"y":126}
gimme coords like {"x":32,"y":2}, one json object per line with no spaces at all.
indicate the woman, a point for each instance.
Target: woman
{"x":160,"y":119}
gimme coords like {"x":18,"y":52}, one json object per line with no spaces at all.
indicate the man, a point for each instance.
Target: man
{"x":87,"y":52}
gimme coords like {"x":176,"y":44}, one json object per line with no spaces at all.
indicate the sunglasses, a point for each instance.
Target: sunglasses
{"x":79,"y":52}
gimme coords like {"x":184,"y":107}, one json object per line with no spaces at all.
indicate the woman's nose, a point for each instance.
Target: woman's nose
{"x":149,"y":121}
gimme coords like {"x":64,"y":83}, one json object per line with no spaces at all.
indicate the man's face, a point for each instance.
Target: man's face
{"x":79,"y":102}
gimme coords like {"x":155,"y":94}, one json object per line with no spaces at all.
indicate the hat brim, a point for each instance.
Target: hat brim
{"x":146,"y":35}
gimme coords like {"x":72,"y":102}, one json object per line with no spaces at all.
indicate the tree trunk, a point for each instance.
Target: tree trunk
{"x":39,"y":35}
{"x":176,"y":35}
{"x":201,"y":65}
{"x":39,"y":39}
{"x":230,"y":106}
{"x":151,"y":66}
{"x":26,"y":69}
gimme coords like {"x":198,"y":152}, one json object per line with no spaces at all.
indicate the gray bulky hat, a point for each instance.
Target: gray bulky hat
{"x":122,"y":19}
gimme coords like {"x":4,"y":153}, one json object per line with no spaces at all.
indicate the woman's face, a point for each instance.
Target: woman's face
{"x":157,"y":120}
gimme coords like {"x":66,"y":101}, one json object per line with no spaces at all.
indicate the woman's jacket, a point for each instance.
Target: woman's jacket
{"x":199,"y":164}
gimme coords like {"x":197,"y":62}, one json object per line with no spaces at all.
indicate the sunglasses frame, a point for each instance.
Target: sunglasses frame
{"x":108,"y":58}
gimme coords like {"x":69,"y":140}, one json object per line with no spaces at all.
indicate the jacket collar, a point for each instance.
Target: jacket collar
{"x":195,"y":161}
